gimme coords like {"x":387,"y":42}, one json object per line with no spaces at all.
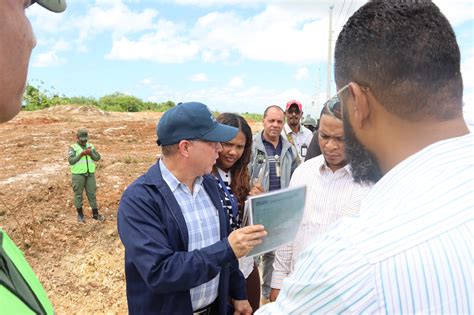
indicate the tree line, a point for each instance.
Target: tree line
{"x":39,"y":97}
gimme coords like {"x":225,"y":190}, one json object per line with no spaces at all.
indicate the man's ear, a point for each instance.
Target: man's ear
{"x":183,"y":147}
{"x":360,"y":109}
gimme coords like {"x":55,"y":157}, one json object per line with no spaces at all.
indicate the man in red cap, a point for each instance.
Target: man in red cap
{"x":297,"y":134}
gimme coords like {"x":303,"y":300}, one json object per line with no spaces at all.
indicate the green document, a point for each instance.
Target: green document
{"x":280,"y":212}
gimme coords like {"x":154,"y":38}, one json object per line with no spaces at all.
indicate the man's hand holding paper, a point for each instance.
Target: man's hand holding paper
{"x":243,"y":240}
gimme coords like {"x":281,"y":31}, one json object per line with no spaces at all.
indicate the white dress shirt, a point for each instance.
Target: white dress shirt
{"x":410,"y":250}
{"x":303,"y":136}
{"x":330,"y":196}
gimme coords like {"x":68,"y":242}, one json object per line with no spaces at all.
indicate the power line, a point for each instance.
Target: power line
{"x":342,"y":8}
{"x":348,"y":9}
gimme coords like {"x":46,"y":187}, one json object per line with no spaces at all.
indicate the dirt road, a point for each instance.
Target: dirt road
{"x":80,"y":265}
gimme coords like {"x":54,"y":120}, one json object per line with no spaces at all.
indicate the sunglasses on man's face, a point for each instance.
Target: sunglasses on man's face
{"x":292,"y":111}
{"x":333,"y":101}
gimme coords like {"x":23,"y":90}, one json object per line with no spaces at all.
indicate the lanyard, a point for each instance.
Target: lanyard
{"x":233,"y":200}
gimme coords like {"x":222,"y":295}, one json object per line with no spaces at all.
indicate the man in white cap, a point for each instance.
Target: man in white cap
{"x":20,"y":290}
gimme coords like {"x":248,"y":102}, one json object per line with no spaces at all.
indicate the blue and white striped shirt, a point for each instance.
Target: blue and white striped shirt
{"x":202,"y":222}
{"x":274,"y":160}
{"x":409,"y":250}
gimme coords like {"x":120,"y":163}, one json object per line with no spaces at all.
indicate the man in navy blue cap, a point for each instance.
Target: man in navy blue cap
{"x":179,"y":257}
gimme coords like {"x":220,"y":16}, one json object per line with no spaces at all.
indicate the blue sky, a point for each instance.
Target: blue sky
{"x":231,"y":55}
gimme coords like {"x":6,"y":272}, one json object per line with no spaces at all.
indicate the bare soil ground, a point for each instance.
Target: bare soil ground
{"x":79,"y":265}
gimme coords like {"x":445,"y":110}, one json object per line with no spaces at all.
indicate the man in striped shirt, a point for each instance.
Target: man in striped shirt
{"x":331,"y":192}
{"x":397,"y":67}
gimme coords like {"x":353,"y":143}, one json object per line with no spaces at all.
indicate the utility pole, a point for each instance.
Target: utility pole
{"x":328,"y":82}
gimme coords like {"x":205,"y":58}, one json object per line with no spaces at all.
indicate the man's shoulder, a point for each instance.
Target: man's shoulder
{"x":257,"y":140}
{"x":286,"y":129}
{"x":311,"y":165}
{"x":151,"y":177}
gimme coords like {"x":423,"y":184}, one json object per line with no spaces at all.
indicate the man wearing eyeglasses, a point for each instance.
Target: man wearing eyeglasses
{"x":331,"y":192}
{"x":179,"y":255}
{"x":297,"y":134}
{"x":20,"y":290}
{"x":397,"y":67}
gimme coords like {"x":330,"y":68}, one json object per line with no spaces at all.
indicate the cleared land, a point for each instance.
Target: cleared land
{"x":80,"y":265}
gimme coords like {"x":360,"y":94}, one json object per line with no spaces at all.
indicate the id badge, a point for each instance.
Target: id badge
{"x":278,"y":169}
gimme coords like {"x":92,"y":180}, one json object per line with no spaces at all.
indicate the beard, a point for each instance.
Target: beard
{"x":364,"y":166}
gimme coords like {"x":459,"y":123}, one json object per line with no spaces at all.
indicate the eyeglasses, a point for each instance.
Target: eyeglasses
{"x":214,"y":145}
{"x":293,"y":111}
{"x":335,"y":100}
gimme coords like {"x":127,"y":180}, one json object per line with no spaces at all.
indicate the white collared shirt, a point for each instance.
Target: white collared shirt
{"x":409,"y":251}
{"x":303,"y":136}
{"x":330,"y":196}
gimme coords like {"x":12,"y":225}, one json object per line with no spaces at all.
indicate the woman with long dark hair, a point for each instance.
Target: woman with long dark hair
{"x":234,"y":182}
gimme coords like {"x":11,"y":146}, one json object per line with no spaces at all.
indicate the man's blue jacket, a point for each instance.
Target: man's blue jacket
{"x":159,"y":269}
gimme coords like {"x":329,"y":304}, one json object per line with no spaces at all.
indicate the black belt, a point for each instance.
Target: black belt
{"x":203,"y":311}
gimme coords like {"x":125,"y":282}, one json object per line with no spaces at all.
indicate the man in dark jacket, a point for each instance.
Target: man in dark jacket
{"x":179,"y":257}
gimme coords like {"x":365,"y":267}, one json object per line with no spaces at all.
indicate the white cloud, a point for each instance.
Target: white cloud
{"x":457,"y":11}
{"x":198,"y":77}
{"x":253,"y":99}
{"x":164,"y":45}
{"x":467,"y":69}
{"x":236,"y":81}
{"x":114,"y":16}
{"x":51,"y":57}
{"x":48,"y":59}
{"x":145,"y":81}
{"x":212,"y":56}
{"x":61,"y":45}
{"x":302,"y":73}
{"x":276,"y":34}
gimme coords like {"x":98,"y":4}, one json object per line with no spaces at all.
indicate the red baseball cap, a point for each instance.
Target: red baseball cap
{"x":294,"y":102}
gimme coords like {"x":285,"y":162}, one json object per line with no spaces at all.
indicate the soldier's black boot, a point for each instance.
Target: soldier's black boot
{"x":80,"y":215}
{"x":96,"y":215}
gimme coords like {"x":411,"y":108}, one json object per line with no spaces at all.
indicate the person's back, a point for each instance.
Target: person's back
{"x":415,"y":255}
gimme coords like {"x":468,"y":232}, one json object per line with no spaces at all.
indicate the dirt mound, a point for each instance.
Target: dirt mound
{"x":74,"y":110}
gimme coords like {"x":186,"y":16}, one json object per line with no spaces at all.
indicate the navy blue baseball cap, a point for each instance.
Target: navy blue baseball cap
{"x":192,"y":121}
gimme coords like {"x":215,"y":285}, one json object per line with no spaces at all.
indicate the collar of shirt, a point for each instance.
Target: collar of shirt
{"x":173,"y":183}
{"x":323,"y":167}
{"x":420,"y":166}
{"x":278,"y":147}
{"x":288,"y":129}
{"x":225,"y":176}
